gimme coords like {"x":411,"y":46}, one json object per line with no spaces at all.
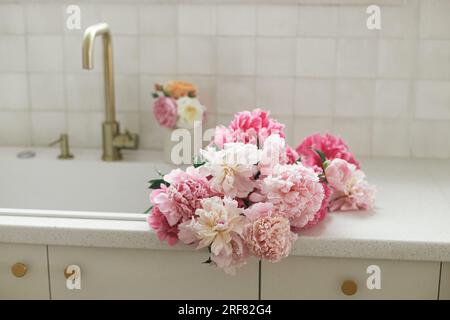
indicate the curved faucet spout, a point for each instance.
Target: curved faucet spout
{"x":101,"y":29}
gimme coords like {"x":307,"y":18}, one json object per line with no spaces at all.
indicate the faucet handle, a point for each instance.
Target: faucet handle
{"x":64,"y":147}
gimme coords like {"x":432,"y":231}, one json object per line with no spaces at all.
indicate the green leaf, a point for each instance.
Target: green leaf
{"x":198,"y":164}
{"x":155,"y":95}
{"x":321,"y":155}
{"x":148,"y":210}
{"x":156,"y":183}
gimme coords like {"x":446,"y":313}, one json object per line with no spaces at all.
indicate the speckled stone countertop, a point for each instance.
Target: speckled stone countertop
{"x":411,"y":220}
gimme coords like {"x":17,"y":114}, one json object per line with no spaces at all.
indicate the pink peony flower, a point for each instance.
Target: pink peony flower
{"x":360,"y":197}
{"x":179,"y":201}
{"x":322,"y":213}
{"x":339,"y":174}
{"x":291,"y":155}
{"x":350,"y":189}
{"x":165,"y":111}
{"x":295,"y":191}
{"x":164,"y":231}
{"x":230,"y":262}
{"x":248,"y":127}
{"x":333,"y":147}
{"x":273,"y":153}
{"x":268,"y":235}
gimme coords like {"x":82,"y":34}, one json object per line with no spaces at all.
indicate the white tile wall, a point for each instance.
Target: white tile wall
{"x":316,"y":67}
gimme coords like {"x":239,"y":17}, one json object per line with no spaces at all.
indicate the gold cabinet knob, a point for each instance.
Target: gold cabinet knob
{"x":67,"y":274}
{"x":349,"y":287}
{"x":19,"y":270}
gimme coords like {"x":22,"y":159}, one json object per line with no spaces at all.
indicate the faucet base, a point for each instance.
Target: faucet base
{"x":110,"y":131}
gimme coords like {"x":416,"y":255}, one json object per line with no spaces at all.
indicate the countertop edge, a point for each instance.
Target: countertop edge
{"x":137,"y":235}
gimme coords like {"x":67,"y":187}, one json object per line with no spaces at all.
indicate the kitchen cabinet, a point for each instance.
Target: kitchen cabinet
{"x":445,"y":282}
{"x":23,"y":272}
{"x":147,"y":274}
{"x":333,"y":278}
{"x":38,"y":272}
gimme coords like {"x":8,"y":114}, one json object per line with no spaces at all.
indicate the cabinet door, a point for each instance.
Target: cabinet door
{"x":445,"y":281}
{"x":147,"y":274}
{"x":327,"y":278}
{"x":23,"y":272}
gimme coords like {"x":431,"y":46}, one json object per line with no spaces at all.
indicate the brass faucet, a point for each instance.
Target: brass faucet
{"x":113,"y":140}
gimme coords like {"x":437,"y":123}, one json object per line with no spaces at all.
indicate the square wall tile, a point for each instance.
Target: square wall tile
{"x":352,"y":22}
{"x":357,"y":57}
{"x":122,"y":19}
{"x":44,"y":18}
{"x":158,"y":19}
{"x":392,"y":98}
{"x":15,"y":128}
{"x":276,"y":94}
{"x":12,"y":19}
{"x":399,"y":21}
{"x":236,"y":20}
{"x":12,"y":54}
{"x":196,"y":19}
{"x":126,"y":54}
{"x":235,"y":94}
{"x":396,"y":58}
{"x":13,"y":93}
{"x":434,"y":59}
{"x":276,"y":20}
{"x":47,"y":91}
{"x":357,"y":133}
{"x":354,"y":98}
{"x":129,"y":121}
{"x":85,"y":129}
{"x":147,"y":85}
{"x":151,"y":133}
{"x":318,"y":21}
{"x":275,"y":57}
{"x":305,"y":126}
{"x":433,"y":100}
{"x":314,"y":97}
{"x":434,"y":21}
{"x":47,"y":126}
{"x":84,"y":92}
{"x":430,"y":139}
{"x":236,"y":56}
{"x":196,"y":55}
{"x":391,"y":138}
{"x":127,"y":92}
{"x":45,"y":53}
{"x":316,"y":57}
{"x":158,"y":55}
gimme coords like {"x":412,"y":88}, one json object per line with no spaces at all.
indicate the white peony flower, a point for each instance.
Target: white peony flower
{"x":189,"y":111}
{"x":232,"y":168}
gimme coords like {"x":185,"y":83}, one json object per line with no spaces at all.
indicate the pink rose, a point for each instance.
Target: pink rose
{"x":332,"y":147}
{"x":269,"y":237}
{"x":339,"y":174}
{"x":165,"y":111}
{"x":164,"y":231}
{"x":295,"y":192}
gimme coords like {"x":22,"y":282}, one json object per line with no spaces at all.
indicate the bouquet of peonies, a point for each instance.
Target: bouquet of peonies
{"x":176,"y":105}
{"x":252,"y":194}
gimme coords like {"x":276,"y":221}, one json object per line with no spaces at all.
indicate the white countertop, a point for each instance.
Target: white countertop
{"x":411,"y":220}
